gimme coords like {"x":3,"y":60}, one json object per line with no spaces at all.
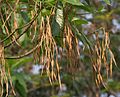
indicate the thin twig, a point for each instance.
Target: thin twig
{"x":17,"y":37}
{"x":26,"y":54}
{"x":20,"y":28}
{"x":21,"y":33}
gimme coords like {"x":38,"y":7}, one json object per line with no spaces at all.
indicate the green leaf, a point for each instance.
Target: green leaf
{"x":20,"y":89}
{"x":107,"y":1}
{"x":74,"y":2}
{"x":45,"y":12}
{"x":88,"y":2}
{"x":20,"y":78}
{"x":25,"y":1}
{"x":55,"y":27}
{"x":101,"y":9}
{"x":56,"y":30}
{"x":78,"y":21}
{"x":25,"y":16}
{"x":3,"y":30}
{"x":59,"y":17}
{"x":87,"y":8}
{"x":21,"y":62}
{"x":20,"y":84}
{"x":22,"y":38}
{"x":50,"y":1}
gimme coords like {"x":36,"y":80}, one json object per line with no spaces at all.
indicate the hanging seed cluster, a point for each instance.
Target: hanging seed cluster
{"x":104,"y":57}
{"x":4,"y":75}
{"x":47,"y":52}
{"x":72,"y":49}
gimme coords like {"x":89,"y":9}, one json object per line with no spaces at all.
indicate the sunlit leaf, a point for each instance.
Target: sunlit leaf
{"x":79,"y":21}
{"x":107,"y":1}
{"x":74,"y":2}
{"x":59,"y":17}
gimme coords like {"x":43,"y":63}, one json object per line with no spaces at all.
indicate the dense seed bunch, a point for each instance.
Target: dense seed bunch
{"x":48,"y":50}
{"x":72,"y":49}
{"x":103,"y":57}
{"x":5,"y":78}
